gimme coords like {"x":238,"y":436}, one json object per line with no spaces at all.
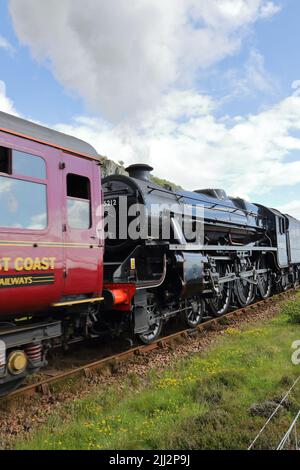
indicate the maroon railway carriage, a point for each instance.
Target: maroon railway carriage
{"x":51,"y":241}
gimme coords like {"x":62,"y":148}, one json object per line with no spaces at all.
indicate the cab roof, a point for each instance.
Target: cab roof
{"x":28,"y":130}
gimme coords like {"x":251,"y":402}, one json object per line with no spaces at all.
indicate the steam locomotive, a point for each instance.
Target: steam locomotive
{"x":63,"y":280}
{"x":247,"y":251}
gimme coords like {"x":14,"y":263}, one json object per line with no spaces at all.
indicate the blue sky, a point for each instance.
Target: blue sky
{"x":192,"y":103}
{"x":30,"y":84}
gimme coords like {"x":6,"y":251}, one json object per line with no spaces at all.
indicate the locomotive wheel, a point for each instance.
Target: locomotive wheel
{"x":244,"y":291}
{"x":155,"y":326}
{"x":220,"y":304}
{"x":192,"y":313}
{"x":264,"y":281}
{"x":10,"y":387}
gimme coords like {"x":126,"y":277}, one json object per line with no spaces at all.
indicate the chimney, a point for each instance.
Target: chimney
{"x":139,"y":171}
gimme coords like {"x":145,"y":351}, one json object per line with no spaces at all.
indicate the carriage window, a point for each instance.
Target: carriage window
{"x":26,"y":164}
{"x":5,"y":160}
{"x":79,"y":202}
{"x":23,"y":204}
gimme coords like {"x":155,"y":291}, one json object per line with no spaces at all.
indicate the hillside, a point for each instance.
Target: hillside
{"x":109,"y":167}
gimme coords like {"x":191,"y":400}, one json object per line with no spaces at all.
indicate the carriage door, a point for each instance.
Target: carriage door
{"x":82,"y":249}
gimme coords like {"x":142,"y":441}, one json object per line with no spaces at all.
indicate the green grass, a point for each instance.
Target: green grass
{"x":292,"y":311}
{"x":203,"y":402}
{"x":163,"y":182}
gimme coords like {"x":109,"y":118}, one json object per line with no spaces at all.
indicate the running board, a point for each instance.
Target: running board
{"x":194,"y":247}
{"x":77,"y":302}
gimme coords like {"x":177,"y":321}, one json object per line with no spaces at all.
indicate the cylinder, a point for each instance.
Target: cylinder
{"x":114,"y":297}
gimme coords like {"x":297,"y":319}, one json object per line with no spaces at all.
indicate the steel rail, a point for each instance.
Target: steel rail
{"x":42,"y":386}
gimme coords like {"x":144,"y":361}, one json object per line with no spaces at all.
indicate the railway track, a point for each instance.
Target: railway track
{"x":43,"y":386}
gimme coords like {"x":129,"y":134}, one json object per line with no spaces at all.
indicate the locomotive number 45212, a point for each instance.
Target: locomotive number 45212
{"x":110,"y":202}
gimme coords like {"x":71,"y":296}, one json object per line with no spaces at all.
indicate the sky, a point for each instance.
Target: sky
{"x":205,"y":91}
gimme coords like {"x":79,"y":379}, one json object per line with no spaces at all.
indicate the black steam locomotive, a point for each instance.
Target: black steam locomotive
{"x":246,"y":251}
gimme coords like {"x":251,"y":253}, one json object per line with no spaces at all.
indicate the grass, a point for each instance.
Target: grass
{"x":217,"y":400}
{"x":292,"y":311}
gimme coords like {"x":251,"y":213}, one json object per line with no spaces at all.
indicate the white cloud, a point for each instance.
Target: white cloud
{"x":253,"y":78}
{"x":6,"y":105}
{"x":256,"y":72}
{"x":187,"y":144}
{"x":269,"y":9}
{"x":5,"y":44}
{"x":122,"y":56}
{"x":292,"y":208}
